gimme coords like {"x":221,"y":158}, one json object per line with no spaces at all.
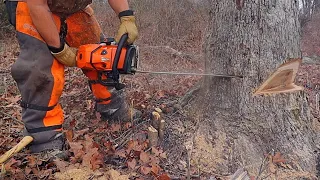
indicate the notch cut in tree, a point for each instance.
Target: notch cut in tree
{"x":282,"y":80}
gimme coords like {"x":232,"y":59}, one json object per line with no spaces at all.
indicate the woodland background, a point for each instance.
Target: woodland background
{"x":171,"y":39}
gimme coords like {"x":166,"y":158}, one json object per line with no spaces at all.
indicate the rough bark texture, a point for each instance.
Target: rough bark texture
{"x":251,"y":38}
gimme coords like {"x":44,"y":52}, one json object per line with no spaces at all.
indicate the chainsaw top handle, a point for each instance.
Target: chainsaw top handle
{"x":115,"y":72}
{"x":121,"y":44}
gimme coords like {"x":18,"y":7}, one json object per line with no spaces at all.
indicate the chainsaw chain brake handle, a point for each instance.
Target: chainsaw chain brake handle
{"x":115,"y":74}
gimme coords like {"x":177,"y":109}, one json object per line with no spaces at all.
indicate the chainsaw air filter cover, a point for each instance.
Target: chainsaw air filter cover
{"x":101,"y":57}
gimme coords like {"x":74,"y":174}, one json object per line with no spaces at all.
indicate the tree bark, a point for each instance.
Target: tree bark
{"x":251,"y":38}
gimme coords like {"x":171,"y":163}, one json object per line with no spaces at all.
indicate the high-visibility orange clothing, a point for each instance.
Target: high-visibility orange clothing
{"x":40,"y":77}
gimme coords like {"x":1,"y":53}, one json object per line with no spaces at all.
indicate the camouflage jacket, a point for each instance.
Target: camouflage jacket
{"x":66,"y":7}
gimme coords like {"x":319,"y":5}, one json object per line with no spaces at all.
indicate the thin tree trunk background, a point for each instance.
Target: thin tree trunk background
{"x":251,"y":38}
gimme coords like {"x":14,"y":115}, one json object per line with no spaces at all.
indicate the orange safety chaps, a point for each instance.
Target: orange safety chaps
{"x":40,"y":77}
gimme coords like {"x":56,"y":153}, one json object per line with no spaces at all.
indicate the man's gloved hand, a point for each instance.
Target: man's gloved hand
{"x":128,"y":25}
{"x":64,"y":54}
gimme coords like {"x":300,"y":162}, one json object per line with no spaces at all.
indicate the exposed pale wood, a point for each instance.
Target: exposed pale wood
{"x":282,"y":80}
{"x":158,"y":110}
{"x":252,"y":40}
{"x":152,"y":136}
{"x":156,"y":120}
{"x":17,"y":148}
{"x":161,"y":129}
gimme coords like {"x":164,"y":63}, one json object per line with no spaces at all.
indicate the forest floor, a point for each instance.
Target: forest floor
{"x":99,"y":150}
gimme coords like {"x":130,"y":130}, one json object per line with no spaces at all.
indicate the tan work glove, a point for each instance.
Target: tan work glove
{"x":66,"y":56}
{"x":127,"y":25}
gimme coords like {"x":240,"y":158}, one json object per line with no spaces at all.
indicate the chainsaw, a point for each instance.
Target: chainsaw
{"x":110,"y":60}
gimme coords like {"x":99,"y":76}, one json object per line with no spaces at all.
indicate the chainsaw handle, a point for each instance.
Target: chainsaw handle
{"x":115,"y":71}
{"x":121,"y":44}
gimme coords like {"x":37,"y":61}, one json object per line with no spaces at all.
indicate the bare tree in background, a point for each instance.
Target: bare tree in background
{"x":251,"y":38}
{"x":307,"y":9}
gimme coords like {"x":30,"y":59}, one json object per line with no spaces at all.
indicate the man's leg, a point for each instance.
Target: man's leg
{"x":83,"y":28}
{"x":40,"y":79}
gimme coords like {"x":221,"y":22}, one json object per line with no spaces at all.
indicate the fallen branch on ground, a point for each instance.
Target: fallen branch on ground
{"x":13,"y":118}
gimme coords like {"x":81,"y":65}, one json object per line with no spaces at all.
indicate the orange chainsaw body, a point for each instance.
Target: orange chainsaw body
{"x":100,"y":57}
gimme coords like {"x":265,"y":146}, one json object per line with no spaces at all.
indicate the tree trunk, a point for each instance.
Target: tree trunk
{"x":252,"y":38}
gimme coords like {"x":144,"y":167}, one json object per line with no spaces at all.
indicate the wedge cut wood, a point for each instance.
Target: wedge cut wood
{"x":282,"y":80}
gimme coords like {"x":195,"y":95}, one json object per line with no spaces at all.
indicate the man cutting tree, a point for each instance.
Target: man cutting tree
{"x":46,"y":31}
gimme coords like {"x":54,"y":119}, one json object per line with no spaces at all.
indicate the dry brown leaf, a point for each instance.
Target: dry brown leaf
{"x":35,"y":170}
{"x":98,"y":116}
{"x":73,"y":123}
{"x":69,"y":135}
{"x":160,"y":94}
{"x":13,"y":99}
{"x":154,"y":159}
{"x":272,"y":168}
{"x":164,"y":177}
{"x":61,"y":165}
{"x":144,"y":157}
{"x":88,"y":144}
{"x":115,"y":175}
{"x":92,"y":159}
{"x":32,"y":162}
{"x":145,"y":170}
{"x":132,"y":164}
{"x":115,"y":128}
{"x":155,"y":169}
{"x":138,"y":148}
{"x":96,"y":161}
{"x":163,"y":155}
{"x":155,"y":151}
{"x":127,"y":125}
{"x":80,"y":133}
{"x":121,"y":153}
{"x":75,"y":147}
{"x":27,"y":170}
{"x":277,"y":158}
{"x":131,"y":145}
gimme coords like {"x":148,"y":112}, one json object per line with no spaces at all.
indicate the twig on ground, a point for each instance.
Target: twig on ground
{"x":3,"y":142}
{"x":263,"y":165}
{"x":125,"y":140}
{"x":125,"y":135}
{"x":13,"y":118}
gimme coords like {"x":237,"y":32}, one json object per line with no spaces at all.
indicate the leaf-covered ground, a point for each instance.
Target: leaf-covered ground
{"x":99,"y":150}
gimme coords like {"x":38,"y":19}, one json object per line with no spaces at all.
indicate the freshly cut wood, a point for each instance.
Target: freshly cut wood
{"x":158,"y":110}
{"x":282,"y":80}
{"x":152,"y":136}
{"x":161,"y":129}
{"x":156,"y":120}
{"x":17,"y":148}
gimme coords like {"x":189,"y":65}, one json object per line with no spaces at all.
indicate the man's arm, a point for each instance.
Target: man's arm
{"x":43,"y":21}
{"x":119,"y":5}
{"x":127,"y":20}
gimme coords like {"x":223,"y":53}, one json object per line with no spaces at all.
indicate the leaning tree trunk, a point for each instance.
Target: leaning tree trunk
{"x":252,"y":38}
